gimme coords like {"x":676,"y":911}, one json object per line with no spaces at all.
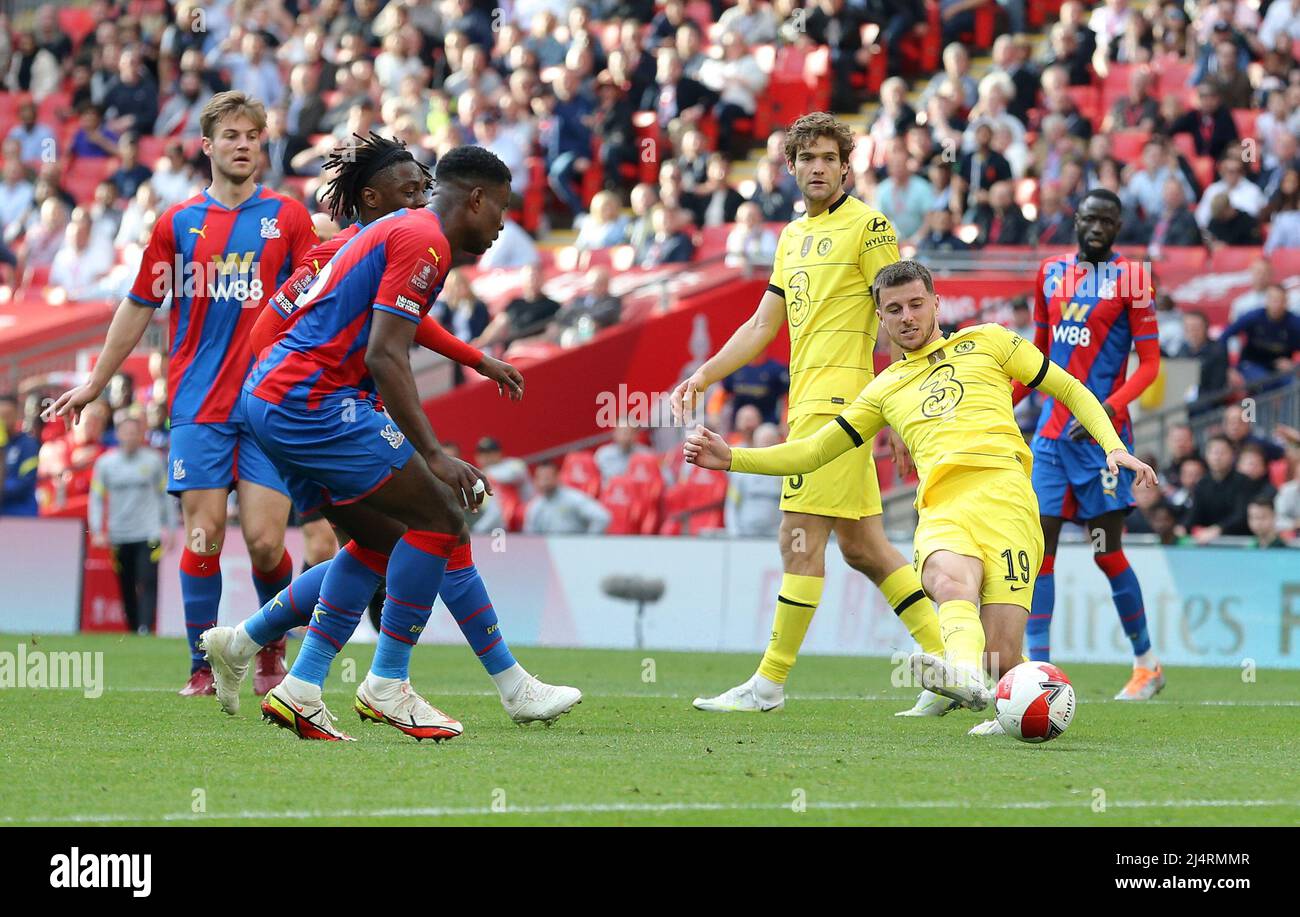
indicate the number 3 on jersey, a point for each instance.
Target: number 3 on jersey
{"x":946,"y":391}
{"x":798,"y":304}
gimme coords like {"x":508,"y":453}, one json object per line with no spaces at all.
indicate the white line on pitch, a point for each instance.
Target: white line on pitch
{"x":646,"y":808}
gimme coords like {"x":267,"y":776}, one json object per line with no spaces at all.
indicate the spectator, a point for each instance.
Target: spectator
{"x":996,"y":92}
{"x":604,"y":226}
{"x":1169,"y":324}
{"x":1228,"y":225}
{"x":513,"y":248}
{"x":20,"y":450}
{"x":895,"y":116}
{"x":750,"y":243}
{"x":1055,"y":224}
{"x":753,"y":508}
{"x":459,"y":310}
{"x":904,"y":197}
{"x":561,"y":510}
{"x":664,"y":26}
{"x":1146,"y":497}
{"x":671,"y":243}
{"x":938,"y":235}
{"x":131,"y":173}
{"x":640,"y":230}
{"x":678,"y":100}
{"x":1144,"y":181}
{"x":137,"y":524}
{"x":32,"y":69}
{"x":1261,"y":519}
{"x":1210,"y":126}
{"x":131,"y":100}
{"x":613,"y":457}
{"x":1174,"y":223}
{"x":762,"y":383}
{"x":1240,"y":435}
{"x":719,"y":200}
{"x":1271,"y":338}
{"x":1001,"y":221}
{"x":1191,"y":471}
{"x":17,"y":196}
{"x":1288,"y":495}
{"x":43,"y":241}
{"x":956,"y":68}
{"x":1233,"y":84}
{"x":525,"y":315}
{"x":744,"y":424}
{"x":772,"y":198}
{"x":37,"y":140}
{"x":588,"y":312}
{"x":831,"y":23}
{"x":82,"y":262}
{"x":751,"y":20}
{"x":693,"y":158}
{"x":69,"y":460}
{"x":983,"y":166}
{"x":1252,"y":465}
{"x":1138,"y":109}
{"x":738,"y":80}
{"x":567,"y":140}
{"x":1163,"y":521}
{"x":143,"y":208}
{"x":1180,"y":444}
{"x":173,"y":176}
{"x":1057,"y":100}
{"x":105,"y":216}
{"x":1213,"y":358}
{"x":1282,"y":18}
{"x":612,"y":125}
{"x":92,"y":140}
{"x":1261,"y":278}
{"x":1284,"y":231}
{"x":687,"y":41}
{"x":1242,"y":193}
{"x":1218,"y":504}
{"x":1068,"y":53}
{"x":252,"y":68}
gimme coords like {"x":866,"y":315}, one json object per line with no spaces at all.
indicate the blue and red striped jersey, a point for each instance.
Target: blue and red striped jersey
{"x":219,"y":266}
{"x":397,"y":264}
{"x":300,"y":281}
{"x":1092,"y":316}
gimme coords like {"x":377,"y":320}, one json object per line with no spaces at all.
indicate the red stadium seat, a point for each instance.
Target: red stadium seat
{"x":151,"y":149}
{"x":1172,"y":75}
{"x":626,"y":504}
{"x":85,"y":174}
{"x":579,"y":471}
{"x":1190,"y":258}
{"x":1041,"y":12}
{"x":1203,"y":169}
{"x":55,"y":108}
{"x":1234,"y":258}
{"x":1245,"y":121}
{"x":647,"y":129}
{"x":1088,"y":100}
{"x":76,"y":22}
{"x":643,"y":468}
{"x":1126,"y":146}
{"x":1185,"y":145}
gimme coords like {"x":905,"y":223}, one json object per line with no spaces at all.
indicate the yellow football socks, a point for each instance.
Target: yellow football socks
{"x":963,"y":634}
{"x":902,"y":590}
{"x":795,"y":606}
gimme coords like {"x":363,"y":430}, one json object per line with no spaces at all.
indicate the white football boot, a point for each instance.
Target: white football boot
{"x":987,"y":728}
{"x":962,"y":685}
{"x":928,"y":703}
{"x":308,"y":719}
{"x":229,"y":652}
{"x":397,"y":704}
{"x":534,"y":701}
{"x":742,"y":699}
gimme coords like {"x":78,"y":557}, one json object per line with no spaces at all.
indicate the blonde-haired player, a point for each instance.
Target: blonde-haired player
{"x":821,"y":288}
{"x":978,"y":543}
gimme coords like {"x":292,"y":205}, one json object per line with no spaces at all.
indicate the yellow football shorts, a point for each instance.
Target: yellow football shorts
{"x":992,"y":514}
{"x":846,"y":488}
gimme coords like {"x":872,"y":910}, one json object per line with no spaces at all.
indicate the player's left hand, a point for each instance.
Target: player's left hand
{"x":1121,"y":458}
{"x":1078,"y":431}
{"x":707,"y":450}
{"x":903,"y":463}
{"x":507,"y":378}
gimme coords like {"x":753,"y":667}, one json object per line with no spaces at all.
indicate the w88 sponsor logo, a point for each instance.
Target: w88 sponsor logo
{"x":1080,"y":335}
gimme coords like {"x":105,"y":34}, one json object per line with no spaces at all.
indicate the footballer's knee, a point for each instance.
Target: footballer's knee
{"x":948,"y":583}
{"x":265,"y":548}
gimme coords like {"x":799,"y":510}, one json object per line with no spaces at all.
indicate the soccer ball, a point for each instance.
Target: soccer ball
{"x":1035,"y":702}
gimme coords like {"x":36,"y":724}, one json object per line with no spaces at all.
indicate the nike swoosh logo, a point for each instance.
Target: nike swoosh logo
{"x":1019,"y":588}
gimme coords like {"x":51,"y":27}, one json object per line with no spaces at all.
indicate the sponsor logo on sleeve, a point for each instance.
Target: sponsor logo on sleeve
{"x":422,"y":279}
{"x":408,"y":305}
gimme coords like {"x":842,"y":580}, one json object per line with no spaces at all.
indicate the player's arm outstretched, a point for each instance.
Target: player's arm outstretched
{"x":748,"y":341}
{"x":1035,"y":370}
{"x":124,"y":333}
{"x":856,"y":425}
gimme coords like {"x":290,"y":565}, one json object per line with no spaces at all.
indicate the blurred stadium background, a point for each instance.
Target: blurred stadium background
{"x":645,"y":141}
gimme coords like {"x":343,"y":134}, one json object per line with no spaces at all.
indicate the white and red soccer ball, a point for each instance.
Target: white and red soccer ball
{"x":1035,"y":702}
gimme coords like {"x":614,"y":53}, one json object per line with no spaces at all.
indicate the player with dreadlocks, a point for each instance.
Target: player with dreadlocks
{"x":370,"y":181}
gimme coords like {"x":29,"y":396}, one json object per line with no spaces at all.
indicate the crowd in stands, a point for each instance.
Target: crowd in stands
{"x":625,"y":120}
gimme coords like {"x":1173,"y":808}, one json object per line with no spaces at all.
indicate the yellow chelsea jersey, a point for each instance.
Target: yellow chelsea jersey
{"x":824,"y":268}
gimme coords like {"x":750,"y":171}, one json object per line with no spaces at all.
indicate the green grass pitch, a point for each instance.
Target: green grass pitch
{"x":1212,"y":750}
